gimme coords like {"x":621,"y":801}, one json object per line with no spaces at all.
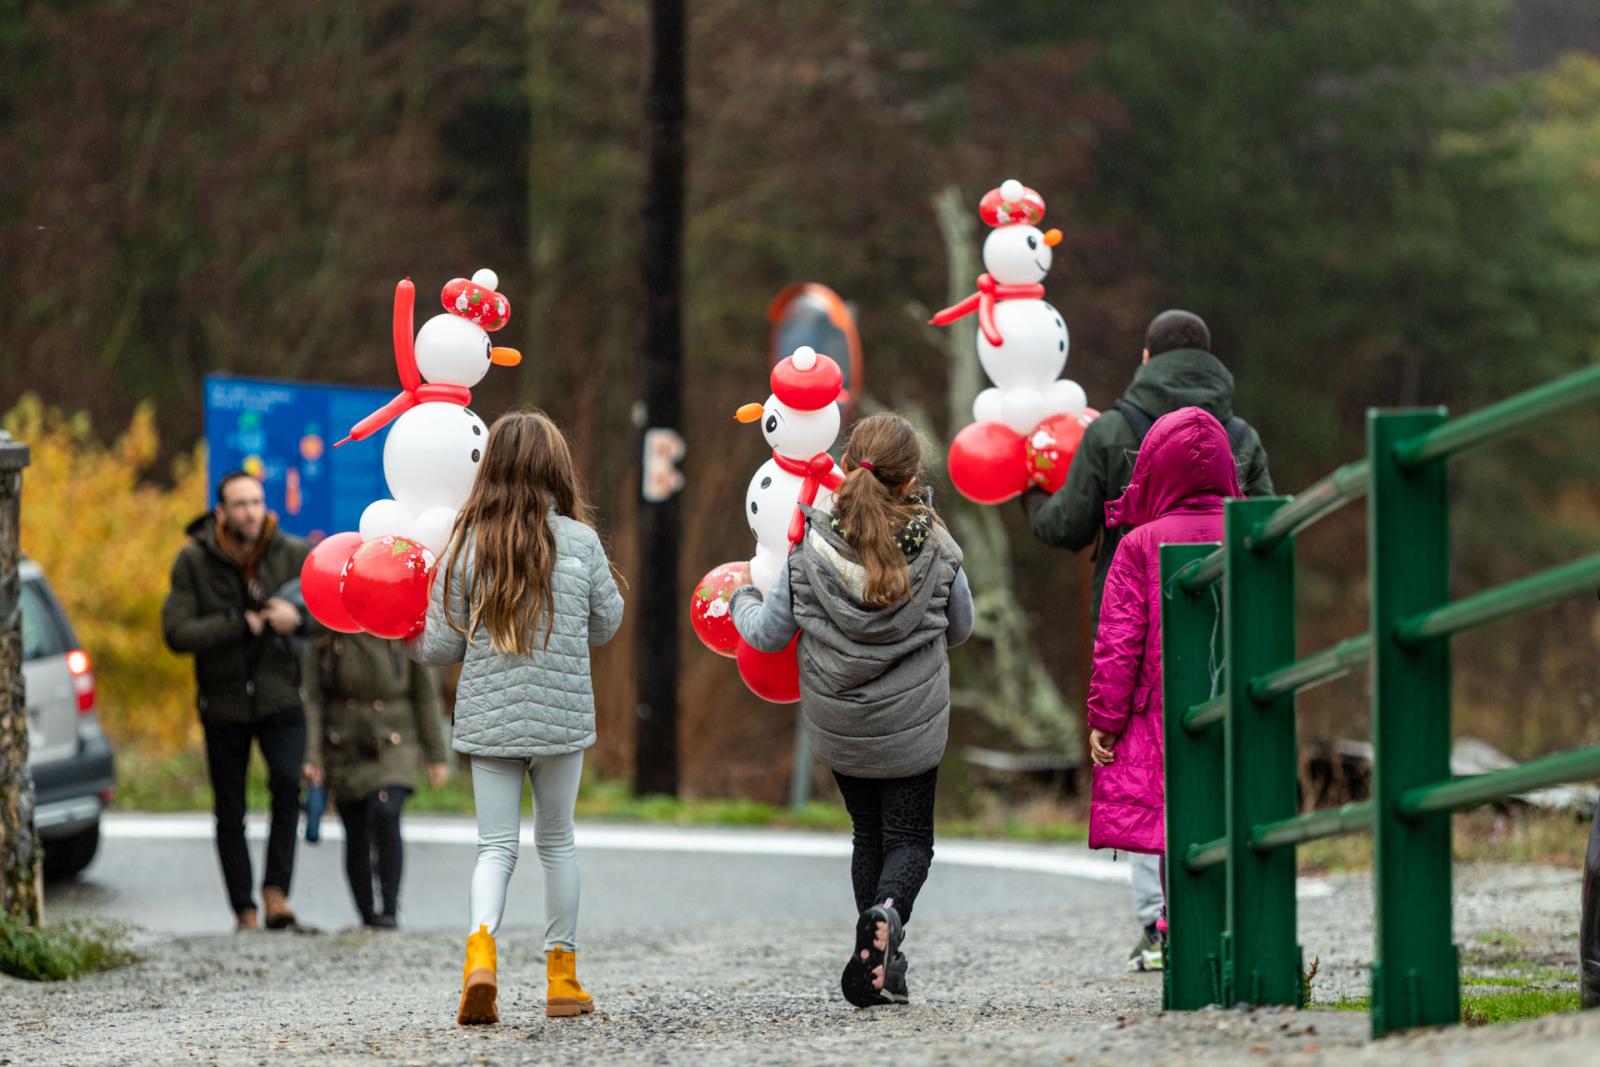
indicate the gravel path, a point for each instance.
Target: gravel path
{"x":1042,"y":986}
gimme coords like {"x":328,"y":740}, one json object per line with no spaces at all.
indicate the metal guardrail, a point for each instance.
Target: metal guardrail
{"x":1231,"y":899}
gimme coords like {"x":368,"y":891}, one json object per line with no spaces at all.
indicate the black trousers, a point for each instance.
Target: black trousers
{"x":282,"y":740}
{"x":892,"y":837}
{"x":372,"y":833}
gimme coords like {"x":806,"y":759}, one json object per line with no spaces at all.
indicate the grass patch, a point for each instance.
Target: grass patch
{"x":1482,"y":1009}
{"x":61,"y":951}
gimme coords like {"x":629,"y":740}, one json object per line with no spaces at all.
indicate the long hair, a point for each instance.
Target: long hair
{"x":880,"y":494}
{"x":526,"y":475}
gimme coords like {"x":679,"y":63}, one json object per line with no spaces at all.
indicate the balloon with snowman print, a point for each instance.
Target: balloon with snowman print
{"x":1022,"y":344}
{"x":431,"y":455}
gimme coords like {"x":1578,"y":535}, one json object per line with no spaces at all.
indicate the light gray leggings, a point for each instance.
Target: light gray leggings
{"x":497,"y":793}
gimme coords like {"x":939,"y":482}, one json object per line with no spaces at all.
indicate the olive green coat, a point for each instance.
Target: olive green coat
{"x":372,"y":715}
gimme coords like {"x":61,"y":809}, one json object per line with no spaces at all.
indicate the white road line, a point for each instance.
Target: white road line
{"x":1061,"y":860}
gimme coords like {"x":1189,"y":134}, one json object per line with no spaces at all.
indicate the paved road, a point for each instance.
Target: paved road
{"x":161,"y":872}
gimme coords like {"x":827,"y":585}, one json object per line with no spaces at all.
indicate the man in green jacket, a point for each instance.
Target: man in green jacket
{"x":1178,"y":370}
{"x":223,"y":607}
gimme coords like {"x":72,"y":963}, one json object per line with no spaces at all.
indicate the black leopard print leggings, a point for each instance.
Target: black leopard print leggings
{"x":892,"y":837}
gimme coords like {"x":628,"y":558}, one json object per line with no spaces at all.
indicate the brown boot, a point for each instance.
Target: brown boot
{"x":279,"y":917}
{"x":478,"y":983}
{"x":247,"y":921}
{"x":564,"y":996}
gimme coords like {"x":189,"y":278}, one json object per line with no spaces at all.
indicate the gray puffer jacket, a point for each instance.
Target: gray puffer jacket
{"x":514,"y":706}
{"x":874,"y":682}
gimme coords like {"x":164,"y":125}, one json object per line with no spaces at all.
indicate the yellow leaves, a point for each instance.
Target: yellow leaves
{"x":106,"y":529}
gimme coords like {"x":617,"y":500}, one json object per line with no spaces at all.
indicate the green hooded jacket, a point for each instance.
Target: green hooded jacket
{"x":1075,"y":517}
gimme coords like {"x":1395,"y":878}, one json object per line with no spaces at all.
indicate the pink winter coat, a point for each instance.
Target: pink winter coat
{"x":1184,"y":471}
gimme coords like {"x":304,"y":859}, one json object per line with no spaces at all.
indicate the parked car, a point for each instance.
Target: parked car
{"x":74,"y":775}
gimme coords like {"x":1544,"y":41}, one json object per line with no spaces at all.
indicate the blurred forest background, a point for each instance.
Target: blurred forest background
{"x":1373,"y":202}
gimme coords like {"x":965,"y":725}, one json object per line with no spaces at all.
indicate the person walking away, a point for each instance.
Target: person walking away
{"x":372,"y":724}
{"x":1184,"y":472}
{"x":877,"y":597}
{"x":222,"y":609}
{"x":1177,"y":369}
{"x":523,"y":591}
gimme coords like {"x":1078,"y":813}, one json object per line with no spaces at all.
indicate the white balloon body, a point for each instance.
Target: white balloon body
{"x":987,"y":406}
{"x":452,"y":351}
{"x":1064,"y":397}
{"x":1016,"y":255}
{"x":431,"y":456}
{"x":1022,"y":409}
{"x":764,"y":568}
{"x":800,"y":434}
{"x":432,"y":529}
{"x":769,"y":504}
{"x":1034,"y":351}
{"x":385,"y":517}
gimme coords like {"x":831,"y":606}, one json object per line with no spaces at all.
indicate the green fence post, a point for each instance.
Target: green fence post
{"x":1194,"y":776}
{"x":1416,"y":971}
{"x":1261,"y":959}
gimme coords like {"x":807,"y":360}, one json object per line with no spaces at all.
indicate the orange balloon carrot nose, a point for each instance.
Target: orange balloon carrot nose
{"x":750,"y":413}
{"x":504,"y":357}
{"x":1052,"y":237}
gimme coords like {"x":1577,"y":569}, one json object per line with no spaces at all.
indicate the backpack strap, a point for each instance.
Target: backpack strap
{"x":1137,"y":417}
{"x":1236,"y":428}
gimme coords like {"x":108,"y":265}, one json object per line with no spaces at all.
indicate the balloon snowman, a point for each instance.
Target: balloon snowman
{"x":800,"y":422}
{"x":377,"y":579}
{"x":1028,"y":423}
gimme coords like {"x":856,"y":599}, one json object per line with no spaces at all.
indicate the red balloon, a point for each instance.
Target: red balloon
{"x":319,"y":581}
{"x":385,"y":586}
{"x":1051,"y":446}
{"x":987,"y":463}
{"x":772,"y":676}
{"x":708,"y":607}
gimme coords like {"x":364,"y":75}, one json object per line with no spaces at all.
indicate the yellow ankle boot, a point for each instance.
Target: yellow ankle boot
{"x":565,"y":995}
{"x":478,"y":985}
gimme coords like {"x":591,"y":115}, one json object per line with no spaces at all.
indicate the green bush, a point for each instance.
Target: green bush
{"x":62,"y":951}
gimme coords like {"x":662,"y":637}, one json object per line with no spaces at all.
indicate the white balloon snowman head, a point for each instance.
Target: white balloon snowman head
{"x":801,"y":417}
{"x":454,"y":348}
{"x":1016,"y":251}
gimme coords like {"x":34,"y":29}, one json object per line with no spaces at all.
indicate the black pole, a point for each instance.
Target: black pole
{"x":655,"y":763}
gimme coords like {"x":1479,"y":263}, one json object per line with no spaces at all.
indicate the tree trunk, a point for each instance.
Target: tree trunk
{"x":20,"y":891}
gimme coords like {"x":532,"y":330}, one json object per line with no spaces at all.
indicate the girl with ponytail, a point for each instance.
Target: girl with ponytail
{"x":877,"y":596}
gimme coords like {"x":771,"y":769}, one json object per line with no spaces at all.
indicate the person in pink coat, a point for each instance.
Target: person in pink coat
{"x":1184,"y":471}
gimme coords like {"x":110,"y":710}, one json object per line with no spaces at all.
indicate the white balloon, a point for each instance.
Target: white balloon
{"x":1034,"y":351}
{"x":486,"y":278}
{"x":1022,"y":409}
{"x":764,"y":569}
{"x":1016,"y":254}
{"x":986,"y":406}
{"x":800,"y":434}
{"x":432,"y":529}
{"x":385,"y":517}
{"x":432,"y":456}
{"x":452,"y":351}
{"x":769,"y":504}
{"x":1064,"y":397}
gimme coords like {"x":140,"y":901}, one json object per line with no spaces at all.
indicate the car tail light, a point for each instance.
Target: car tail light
{"x":82,"y":679}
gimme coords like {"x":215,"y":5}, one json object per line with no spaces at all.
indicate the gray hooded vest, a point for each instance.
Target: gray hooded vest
{"x":874,"y":682}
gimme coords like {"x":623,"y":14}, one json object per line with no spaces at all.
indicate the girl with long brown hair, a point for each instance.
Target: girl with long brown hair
{"x":877,"y":597}
{"x":524,"y":589}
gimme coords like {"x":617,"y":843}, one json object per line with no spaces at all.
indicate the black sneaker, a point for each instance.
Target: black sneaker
{"x":856,"y":981}
{"x":381,"y":922}
{"x":894,"y":980}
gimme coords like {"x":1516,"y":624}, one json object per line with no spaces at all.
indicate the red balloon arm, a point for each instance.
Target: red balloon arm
{"x":370,"y":425}
{"x":955,"y":311}
{"x":405,"y":350}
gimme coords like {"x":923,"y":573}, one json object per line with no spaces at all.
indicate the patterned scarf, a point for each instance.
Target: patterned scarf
{"x":912,"y":536}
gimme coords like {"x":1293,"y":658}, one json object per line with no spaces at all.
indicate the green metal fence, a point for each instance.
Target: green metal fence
{"x":1232,"y":811}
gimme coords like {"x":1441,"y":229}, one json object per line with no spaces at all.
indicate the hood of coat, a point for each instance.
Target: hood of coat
{"x":832,"y":565}
{"x":1185,"y":461}
{"x":1185,"y":377}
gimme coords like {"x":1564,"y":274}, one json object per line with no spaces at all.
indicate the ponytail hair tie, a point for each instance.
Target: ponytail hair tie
{"x":866,"y":466}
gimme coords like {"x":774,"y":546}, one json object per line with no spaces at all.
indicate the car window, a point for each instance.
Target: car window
{"x":41,"y":636}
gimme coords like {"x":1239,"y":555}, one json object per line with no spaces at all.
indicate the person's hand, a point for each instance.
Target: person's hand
{"x":1100,"y":745}
{"x":255,"y":622}
{"x":438,"y":775}
{"x":281,"y":615}
{"x":311,"y":773}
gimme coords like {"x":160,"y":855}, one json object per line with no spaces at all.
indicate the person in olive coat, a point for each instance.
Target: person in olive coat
{"x":372,"y":722}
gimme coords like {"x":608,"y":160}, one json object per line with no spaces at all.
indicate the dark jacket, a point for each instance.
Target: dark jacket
{"x":1075,"y":517}
{"x":240,"y":676}
{"x":372,"y":715}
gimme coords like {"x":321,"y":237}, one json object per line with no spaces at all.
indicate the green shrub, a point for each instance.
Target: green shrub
{"x":61,"y":951}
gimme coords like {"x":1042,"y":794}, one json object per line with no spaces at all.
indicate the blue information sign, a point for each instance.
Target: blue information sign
{"x":283,"y":433}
